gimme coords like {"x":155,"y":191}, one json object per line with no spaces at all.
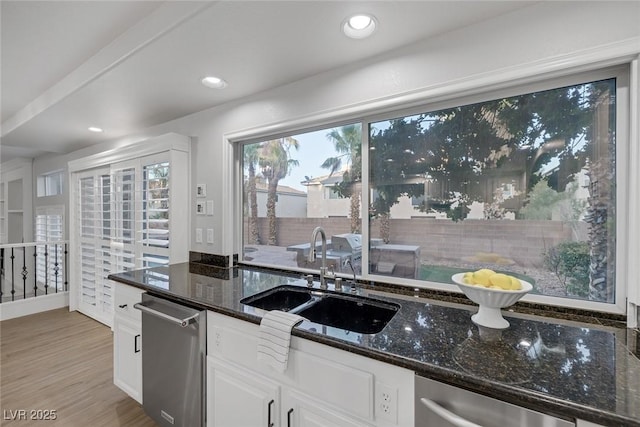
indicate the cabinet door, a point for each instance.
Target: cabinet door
{"x":236,"y":399}
{"x":300,"y":410}
{"x":127,"y":356}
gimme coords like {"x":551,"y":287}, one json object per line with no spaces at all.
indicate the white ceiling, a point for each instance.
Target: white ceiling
{"x":128,"y":65}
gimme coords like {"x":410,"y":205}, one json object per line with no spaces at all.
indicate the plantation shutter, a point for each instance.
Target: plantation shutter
{"x":122,"y":217}
{"x":124,"y":212}
{"x":124,"y":225}
{"x":49,"y":259}
{"x":155,"y":231}
{"x":93,"y":199}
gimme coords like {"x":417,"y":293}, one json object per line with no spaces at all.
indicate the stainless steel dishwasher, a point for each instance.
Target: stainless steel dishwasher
{"x":173,"y":358}
{"x":442,"y":405}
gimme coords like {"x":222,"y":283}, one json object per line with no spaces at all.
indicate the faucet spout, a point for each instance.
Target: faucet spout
{"x":312,"y":254}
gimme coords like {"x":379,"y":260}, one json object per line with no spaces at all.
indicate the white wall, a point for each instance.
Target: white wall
{"x":542,"y":37}
{"x":288,"y":205}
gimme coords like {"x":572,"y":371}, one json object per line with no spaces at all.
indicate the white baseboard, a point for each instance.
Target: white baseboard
{"x":25,"y":307}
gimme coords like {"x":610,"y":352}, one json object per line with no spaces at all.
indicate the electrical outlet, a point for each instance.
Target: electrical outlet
{"x":386,"y":403}
{"x":217,"y":338}
{"x":198,"y":235}
{"x":210,"y":236}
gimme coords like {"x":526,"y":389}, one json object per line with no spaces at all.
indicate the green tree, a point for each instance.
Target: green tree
{"x":347,"y":142}
{"x":461,"y":149}
{"x":540,"y":202}
{"x":570,"y":263}
{"x":276,"y":163}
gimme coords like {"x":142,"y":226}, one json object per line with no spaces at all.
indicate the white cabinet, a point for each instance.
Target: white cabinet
{"x":582,"y":423}
{"x":239,"y":398}
{"x":127,"y":341}
{"x":301,"y":411}
{"x":127,"y":356}
{"x":322,"y":386}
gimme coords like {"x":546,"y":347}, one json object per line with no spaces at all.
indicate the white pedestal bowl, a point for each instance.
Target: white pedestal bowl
{"x":491,"y":301}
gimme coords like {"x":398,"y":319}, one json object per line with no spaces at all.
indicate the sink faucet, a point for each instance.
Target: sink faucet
{"x":312,"y":254}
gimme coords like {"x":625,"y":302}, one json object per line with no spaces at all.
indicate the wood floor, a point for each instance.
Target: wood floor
{"x":62,"y":361}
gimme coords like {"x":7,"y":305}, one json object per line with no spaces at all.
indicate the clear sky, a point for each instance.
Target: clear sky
{"x":315,"y":148}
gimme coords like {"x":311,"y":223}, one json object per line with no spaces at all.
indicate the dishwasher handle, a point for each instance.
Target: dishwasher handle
{"x":447,"y":415}
{"x":181,"y":322}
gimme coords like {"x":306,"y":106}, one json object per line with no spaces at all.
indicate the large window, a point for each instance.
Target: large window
{"x":526,"y":184}
{"x":523,"y":183}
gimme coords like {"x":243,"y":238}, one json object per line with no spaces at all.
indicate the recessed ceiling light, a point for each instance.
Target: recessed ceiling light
{"x":359,"y":26}
{"x":95,"y":129}
{"x":214,"y":82}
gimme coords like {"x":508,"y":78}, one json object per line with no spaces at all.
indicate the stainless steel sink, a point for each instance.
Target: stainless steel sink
{"x":349,"y":312}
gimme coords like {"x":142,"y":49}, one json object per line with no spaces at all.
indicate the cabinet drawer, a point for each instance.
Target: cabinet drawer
{"x":125,"y":297}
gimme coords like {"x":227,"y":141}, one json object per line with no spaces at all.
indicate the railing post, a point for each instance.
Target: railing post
{"x":13,"y":275}
{"x":66,"y":267}
{"x":1,"y":273}
{"x":24,"y":272}
{"x":35,"y":269}
{"x":46,"y":269}
{"x":56,"y":268}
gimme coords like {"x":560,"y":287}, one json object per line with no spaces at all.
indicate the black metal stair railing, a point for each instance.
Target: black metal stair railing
{"x":29,"y":270}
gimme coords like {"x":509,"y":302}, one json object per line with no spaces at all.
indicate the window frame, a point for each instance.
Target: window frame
{"x":624,"y":188}
{"x":43,"y":186}
{"x":553,"y":74}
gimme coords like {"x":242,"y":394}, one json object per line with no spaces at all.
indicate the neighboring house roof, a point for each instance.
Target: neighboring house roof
{"x":332,"y":179}
{"x":282,"y":189}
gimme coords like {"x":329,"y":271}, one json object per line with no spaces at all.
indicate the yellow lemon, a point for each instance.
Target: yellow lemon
{"x":515,"y":284}
{"x":485,"y":271}
{"x":500,"y":280}
{"x":481,"y":278}
{"x":468,"y":278}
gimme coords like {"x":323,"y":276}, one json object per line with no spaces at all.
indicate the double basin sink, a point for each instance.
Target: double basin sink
{"x":349,"y":312}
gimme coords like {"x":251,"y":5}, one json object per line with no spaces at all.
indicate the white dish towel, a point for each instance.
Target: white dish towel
{"x":275,"y":337}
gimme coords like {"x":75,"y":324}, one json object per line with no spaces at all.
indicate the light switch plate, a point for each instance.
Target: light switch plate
{"x":198,"y":235}
{"x":200,"y":208}
{"x":210,"y":236}
{"x":201,"y":190}
{"x":209,"y":207}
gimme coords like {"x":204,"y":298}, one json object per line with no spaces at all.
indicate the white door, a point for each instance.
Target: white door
{"x":92,"y":248}
{"x":235,"y":399}
{"x":127,"y":356}
{"x":301,"y":411}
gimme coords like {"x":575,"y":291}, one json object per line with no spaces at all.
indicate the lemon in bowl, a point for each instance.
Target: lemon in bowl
{"x":491,"y":291}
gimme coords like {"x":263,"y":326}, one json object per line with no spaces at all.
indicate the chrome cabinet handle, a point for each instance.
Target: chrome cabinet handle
{"x":289,"y":417}
{"x":182,"y":322}
{"x":447,"y":415}
{"x":269,"y":423}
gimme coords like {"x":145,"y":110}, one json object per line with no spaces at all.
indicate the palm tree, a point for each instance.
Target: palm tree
{"x":251,"y":157}
{"x":276,"y":163}
{"x":347,"y":142}
{"x":600,"y":211}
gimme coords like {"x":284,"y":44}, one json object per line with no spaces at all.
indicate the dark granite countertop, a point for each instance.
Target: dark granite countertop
{"x":565,"y":368}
